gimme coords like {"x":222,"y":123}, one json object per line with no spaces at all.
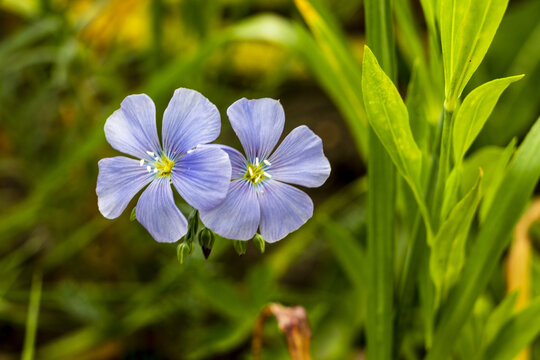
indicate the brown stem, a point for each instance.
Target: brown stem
{"x":293,"y":322}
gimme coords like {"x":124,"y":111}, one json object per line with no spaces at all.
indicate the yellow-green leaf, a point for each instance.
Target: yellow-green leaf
{"x":448,"y":246}
{"x":474,"y":112}
{"x":388,"y":116}
{"x":516,"y":333}
{"x":467,"y":29}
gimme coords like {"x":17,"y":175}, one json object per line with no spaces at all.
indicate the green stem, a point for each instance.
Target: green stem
{"x":418,"y":250}
{"x":381,"y":200}
{"x":444,"y":168}
{"x":32,"y":318}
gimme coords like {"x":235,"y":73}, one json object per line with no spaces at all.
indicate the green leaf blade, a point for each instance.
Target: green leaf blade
{"x":511,"y":198}
{"x":515,"y":334}
{"x":388,"y":116}
{"x":474,"y":112}
{"x":349,"y":254}
{"x":448,"y":246}
{"x":467,"y":30}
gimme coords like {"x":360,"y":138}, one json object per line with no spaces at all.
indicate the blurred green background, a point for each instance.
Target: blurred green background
{"x":109,"y":291}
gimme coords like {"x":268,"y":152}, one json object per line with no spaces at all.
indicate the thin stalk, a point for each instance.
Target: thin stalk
{"x":418,"y":250}
{"x":32,"y":318}
{"x":444,"y":168}
{"x":381,"y":200}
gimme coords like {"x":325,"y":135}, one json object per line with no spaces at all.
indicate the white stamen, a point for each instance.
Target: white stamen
{"x":150,"y":153}
{"x":250,"y":171}
{"x":256,"y":161}
{"x":148,"y":168}
{"x":155,"y":170}
{"x":267,"y":175}
{"x":266,"y":162}
{"x":141,"y":162}
{"x":262,"y":191}
{"x":257,"y":179}
{"x":190,"y":151}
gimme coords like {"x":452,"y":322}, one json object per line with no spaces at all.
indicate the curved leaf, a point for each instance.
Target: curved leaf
{"x":467,"y":29}
{"x":474,"y":112}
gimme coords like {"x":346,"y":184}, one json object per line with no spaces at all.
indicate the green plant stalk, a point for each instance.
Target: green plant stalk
{"x":381,"y":202}
{"x":418,"y":249}
{"x":381,"y":199}
{"x":32,"y":318}
{"x":444,"y":168}
{"x":511,"y":198}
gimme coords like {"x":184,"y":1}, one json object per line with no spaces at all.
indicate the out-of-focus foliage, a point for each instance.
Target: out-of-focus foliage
{"x":104,"y":288}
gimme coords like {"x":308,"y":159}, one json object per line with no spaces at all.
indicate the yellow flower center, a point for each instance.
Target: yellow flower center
{"x":255,"y":172}
{"x":164,"y":166}
{"x":161,"y":166}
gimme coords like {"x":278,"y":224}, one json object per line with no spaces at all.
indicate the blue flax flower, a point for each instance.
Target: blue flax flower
{"x":200,"y":174}
{"x":259,"y":196}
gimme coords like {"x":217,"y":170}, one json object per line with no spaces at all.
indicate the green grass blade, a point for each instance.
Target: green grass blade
{"x":417,"y":109}
{"x":350,"y":255}
{"x":381,"y":238}
{"x":511,"y":198}
{"x":516,"y":334}
{"x":379,"y":34}
{"x":381,"y":199}
{"x":32,"y":318}
{"x":499,"y":317}
{"x":343,"y":66}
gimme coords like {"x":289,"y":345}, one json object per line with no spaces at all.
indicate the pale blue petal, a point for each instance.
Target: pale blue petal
{"x":284,"y":209}
{"x":189,"y":120}
{"x":202,"y":177}
{"x":300,"y":160}
{"x":238,"y":161}
{"x":237,"y":217}
{"x":132,"y":128}
{"x":119,"y":179}
{"x":258,"y":124}
{"x":158,"y":213}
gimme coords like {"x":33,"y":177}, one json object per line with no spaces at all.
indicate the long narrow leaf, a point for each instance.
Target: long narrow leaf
{"x":474,"y":112}
{"x":381,"y":199}
{"x":348,"y":252}
{"x":344,"y":67}
{"x":467,"y":29}
{"x":511,"y":198}
{"x":448,"y":246}
{"x":388,"y":116}
{"x":516,"y":333}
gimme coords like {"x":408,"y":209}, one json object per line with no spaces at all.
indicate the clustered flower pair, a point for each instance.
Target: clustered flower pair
{"x":235,"y":195}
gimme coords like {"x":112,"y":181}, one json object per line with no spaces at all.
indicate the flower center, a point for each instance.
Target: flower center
{"x":164,"y":166}
{"x":255,"y":172}
{"x":161,"y":166}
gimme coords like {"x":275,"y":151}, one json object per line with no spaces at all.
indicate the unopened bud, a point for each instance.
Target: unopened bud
{"x":183,"y":251}
{"x":259,"y":242}
{"x":193,"y":224}
{"x":240,"y":246}
{"x":206,"y":239}
{"x":133,"y":216}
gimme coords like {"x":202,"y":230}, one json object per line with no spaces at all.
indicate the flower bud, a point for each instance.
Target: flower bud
{"x":183,"y":251}
{"x":259,"y":242}
{"x":240,"y":246}
{"x":133,"y":216}
{"x":206,"y":239}
{"x":193,"y":225}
